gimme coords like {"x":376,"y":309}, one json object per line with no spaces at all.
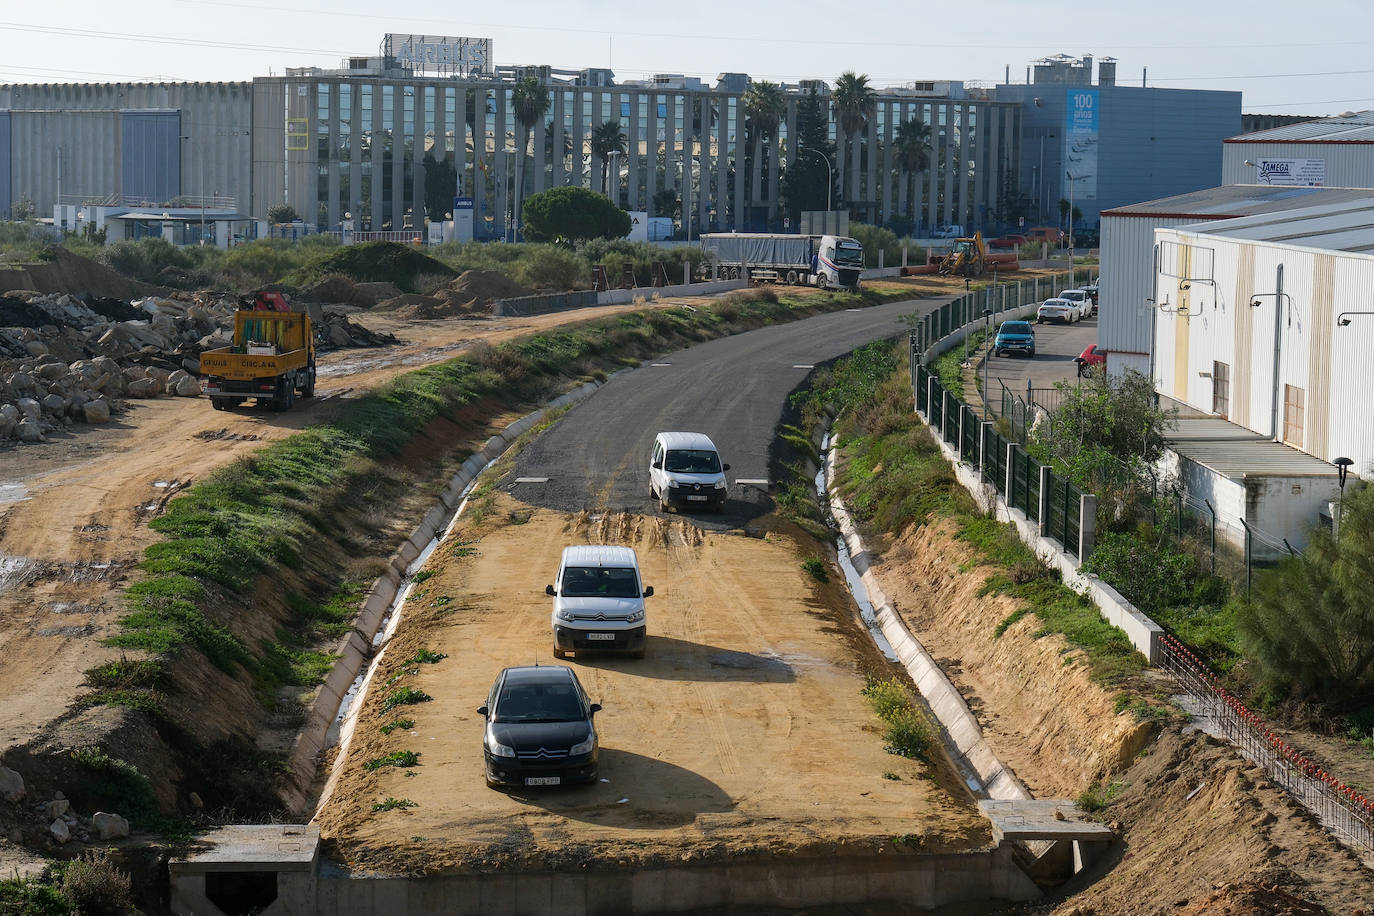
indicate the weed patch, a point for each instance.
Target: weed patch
{"x":404,"y":696}
{"x":910,"y":732}
{"x":394,"y":759}
{"x":814,"y":568}
{"x":394,"y":724}
{"x":391,"y":804}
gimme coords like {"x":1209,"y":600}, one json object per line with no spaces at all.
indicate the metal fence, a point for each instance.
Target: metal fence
{"x":1341,"y":809}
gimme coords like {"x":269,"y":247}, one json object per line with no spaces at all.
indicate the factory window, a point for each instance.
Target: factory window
{"x":1293,"y":401}
{"x":1221,"y":389}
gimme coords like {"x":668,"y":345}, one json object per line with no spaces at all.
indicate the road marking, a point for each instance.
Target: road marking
{"x":759,"y":481}
{"x":531,"y":480}
{"x":660,"y":365}
{"x":803,"y":366}
{"x":853,"y":310}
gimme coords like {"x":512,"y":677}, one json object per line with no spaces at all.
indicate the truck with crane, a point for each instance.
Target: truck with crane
{"x":271,"y":359}
{"x":826,"y":261}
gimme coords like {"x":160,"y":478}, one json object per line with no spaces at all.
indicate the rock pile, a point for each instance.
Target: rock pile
{"x":53,"y":822}
{"x":64,"y":361}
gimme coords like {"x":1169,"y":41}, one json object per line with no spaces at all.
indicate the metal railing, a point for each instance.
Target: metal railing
{"x":1345,"y":812}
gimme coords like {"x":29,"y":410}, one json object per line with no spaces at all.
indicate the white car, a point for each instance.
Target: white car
{"x":1080,"y":298}
{"x":1057,"y":309}
{"x":685,"y":471}
{"x":598,"y":601}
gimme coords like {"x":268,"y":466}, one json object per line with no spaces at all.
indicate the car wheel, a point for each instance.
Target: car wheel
{"x":664,"y":506}
{"x":1031,"y":354}
{"x":217,"y":404}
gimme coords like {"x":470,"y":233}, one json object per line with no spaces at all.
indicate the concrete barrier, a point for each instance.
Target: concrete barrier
{"x":709,"y":288}
{"x":963,"y":735}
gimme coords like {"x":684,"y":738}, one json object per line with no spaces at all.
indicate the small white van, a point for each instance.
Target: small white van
{"x":685,"y":470}
{"x":598,"y":602}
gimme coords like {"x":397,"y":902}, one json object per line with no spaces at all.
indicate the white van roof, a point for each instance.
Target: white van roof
{"x":600,"y":555}
{"x":687,"y":440}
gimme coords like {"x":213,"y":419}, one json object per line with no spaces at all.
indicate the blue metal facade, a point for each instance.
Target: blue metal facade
{"x":150,"y":146}
{"x":1150,"y":143}
{"x":6,"y":194}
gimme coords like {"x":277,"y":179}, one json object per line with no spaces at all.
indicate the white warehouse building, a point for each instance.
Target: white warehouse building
{"x":1265,"y":321}
{"x":1332,"y":152}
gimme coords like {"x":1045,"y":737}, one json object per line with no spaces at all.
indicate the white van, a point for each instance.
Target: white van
{"x":598,"y":601}
{"x":685,"y":470}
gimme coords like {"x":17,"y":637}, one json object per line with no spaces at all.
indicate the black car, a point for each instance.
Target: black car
{"x":539,"y":728}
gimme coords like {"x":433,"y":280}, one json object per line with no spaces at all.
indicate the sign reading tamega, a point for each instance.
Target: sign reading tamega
{"x":1306,"y":172}
{"x":463,"y":56}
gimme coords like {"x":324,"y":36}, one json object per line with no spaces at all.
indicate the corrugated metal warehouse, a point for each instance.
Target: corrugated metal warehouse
{"x":1332,"y":152}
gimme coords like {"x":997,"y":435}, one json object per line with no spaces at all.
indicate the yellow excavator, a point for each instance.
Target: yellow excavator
{"x":969,"y":258}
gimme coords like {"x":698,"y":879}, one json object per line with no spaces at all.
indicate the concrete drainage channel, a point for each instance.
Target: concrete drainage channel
{"x":276,"y":869}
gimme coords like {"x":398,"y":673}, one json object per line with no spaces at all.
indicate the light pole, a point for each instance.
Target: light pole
{"x":1342,"y":468}
{"x":1072,"y":178}
{"x":829,"y":173}
{"x":202,"y":198}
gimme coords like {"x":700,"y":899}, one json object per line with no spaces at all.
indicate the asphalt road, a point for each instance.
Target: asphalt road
{"x":733,"y":389}
{"x":1056,"y":345}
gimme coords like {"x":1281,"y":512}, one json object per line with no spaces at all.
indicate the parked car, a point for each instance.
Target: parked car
{"x":1092,"y":290}
{"x":1057,"y":309}
{"x":598,"y":601}
{"x":1080,"y":298}
{"x":1014,"y":337}
{"x":1051,"y":234}
{"x":539,"y":728}
{"x":1090,"y":358}
{"x":955,"y":231}
{"x":1007,"y":242}
{"x":685,"y":470}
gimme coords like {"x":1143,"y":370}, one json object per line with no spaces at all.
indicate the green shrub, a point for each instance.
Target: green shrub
{"x":815,"y":568}
{"x":32,"y":896}
{"x":1151,"y":576}
{"x":404,"y":696}
{"x":128,"y":674}
{"x":93,"y":886}
{"x":111,"y":784}
{"x":909,"y":730}
{"x":394,"y":724}
{"x":394,"y":759}
{"x":391,"y":804}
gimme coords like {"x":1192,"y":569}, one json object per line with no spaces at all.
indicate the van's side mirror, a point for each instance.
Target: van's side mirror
{"x":549,"y":590}
{"x":658,"y":465}
{"x":648,"y":591}
{"x":725,"y":467}
{"x":482,"y":711}
{"x":595,"y":708}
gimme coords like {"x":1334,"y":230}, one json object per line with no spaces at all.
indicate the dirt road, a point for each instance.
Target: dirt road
{"x":743,"y":730}
{"x":74,"y":511}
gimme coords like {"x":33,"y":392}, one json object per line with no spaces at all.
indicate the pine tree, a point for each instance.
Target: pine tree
{"x":804,"y":181}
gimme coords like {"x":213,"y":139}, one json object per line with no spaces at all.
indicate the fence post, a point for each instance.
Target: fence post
{"x":912,"y":365}
{"x":959,"y":450}
{"x":1010,"y":471}
{"x":1178,"y":511}
{"x":1043,"y":510}
{"x":1087,"y":525}
{"x":1214,"y":534}
{"x":983,"y":429}
{"x":1246,"y":526}
{"x":944,"y":414}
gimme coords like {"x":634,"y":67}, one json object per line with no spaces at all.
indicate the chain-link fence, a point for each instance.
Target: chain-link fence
{"x":1341,"y":809}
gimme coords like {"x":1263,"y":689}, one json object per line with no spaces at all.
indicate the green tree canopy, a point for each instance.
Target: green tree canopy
{"x":574,"y":214}
{"x":807,"y":175}
{"x":441,"y":186}
{"x":607,"y":138}
{"x":1309,"y":625}
{"x":282,"y":213}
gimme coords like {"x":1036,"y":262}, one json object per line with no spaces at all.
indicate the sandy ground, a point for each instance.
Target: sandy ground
{"x":74,"y":511}
{"x":743,"y":730}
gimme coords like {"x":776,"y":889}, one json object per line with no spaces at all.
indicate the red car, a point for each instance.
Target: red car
{"x":1089,"y":358}
{"x":1008,"y":242}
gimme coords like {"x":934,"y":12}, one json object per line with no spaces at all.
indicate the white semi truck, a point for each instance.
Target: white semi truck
{"x":827,"y":261}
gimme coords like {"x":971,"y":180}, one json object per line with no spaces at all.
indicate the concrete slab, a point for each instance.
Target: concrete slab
{"x":1041,"y":819}
{"x":253,"y":847}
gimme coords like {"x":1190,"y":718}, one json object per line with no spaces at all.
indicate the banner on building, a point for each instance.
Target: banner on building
{"x":1080,"y":146}
{"x":1309,"y":173}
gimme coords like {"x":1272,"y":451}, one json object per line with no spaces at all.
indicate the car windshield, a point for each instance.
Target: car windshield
{"x":539,"y":702}
{"x":1015,"y":327}
{"x":599,"y":582}
{"x":848,"y":251}
{"x":692,"y":461}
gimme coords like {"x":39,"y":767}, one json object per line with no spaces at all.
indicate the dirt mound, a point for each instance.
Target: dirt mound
{"x":472,"y":293}
{"x":388,"y":262}
{"x":1250,"y":899}
{"x":61,"y":271}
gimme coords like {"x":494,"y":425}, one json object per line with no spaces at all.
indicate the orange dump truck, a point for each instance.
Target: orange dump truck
{"x":272,"y":358}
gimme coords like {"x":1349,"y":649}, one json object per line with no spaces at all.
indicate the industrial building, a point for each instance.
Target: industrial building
{"x":346,"y":148}
{"x":1107,"y":144}
{"x":1332,"y":152}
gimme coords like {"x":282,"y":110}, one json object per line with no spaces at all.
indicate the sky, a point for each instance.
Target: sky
{"x":1284,"y":58}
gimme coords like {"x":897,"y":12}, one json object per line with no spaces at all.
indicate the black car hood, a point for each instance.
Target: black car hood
{"x":531,"y":736}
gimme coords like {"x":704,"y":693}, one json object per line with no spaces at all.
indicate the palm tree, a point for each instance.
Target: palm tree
{"x":529,"y":100}
{"x":607,"y":138}
{"x":765,"y":105}
{"x":854,"y":102}
{"x":912,"y":145}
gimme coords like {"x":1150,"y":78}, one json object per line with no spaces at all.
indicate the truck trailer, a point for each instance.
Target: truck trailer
{"x":271,"y":359}
{"x":827,"y":261}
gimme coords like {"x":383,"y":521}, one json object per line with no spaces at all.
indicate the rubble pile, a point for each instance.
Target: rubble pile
{"x":66,"y":361}
{"x":48,"y":824}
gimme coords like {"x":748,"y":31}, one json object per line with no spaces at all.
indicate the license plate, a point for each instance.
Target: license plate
{"x":700,"y":499}
{"x":543,"y":780}
{"x":608,"y":636}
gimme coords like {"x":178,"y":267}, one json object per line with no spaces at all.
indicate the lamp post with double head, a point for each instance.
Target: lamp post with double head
{"x":1342,"y":469}
{"x":829,"y":173}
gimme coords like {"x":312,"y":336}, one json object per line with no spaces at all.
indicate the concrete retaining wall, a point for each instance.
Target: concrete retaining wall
{"x":908,"y":879}
{"x":356,"y":649}
{"x":964,"y":735}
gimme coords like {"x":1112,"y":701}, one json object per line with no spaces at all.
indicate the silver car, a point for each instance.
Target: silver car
{"x":1057,"y":309}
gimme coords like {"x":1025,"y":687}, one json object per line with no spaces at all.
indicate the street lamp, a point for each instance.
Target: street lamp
{"x":202,"y":197}
{"x":829,"y":173}
{"x":1342,"y":469}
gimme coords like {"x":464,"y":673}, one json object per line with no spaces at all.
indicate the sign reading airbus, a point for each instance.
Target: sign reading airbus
{"x":1305,"y":172}
{"x":461,"y":56}
{"x":1080,"y":142}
